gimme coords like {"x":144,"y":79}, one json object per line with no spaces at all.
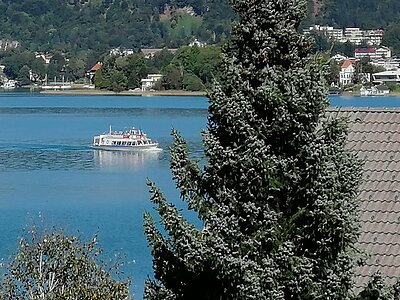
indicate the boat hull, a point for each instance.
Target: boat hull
{"x":129,"y":140}
{"x":151,"y":147}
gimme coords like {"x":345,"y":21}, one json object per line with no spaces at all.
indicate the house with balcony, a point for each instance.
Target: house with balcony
{"x":383,"y":52}
{"x":388,"y":64}
{"x":346,"y":72}
{"x":373,"y":53}
{"x":92,"y":71}
{"x":150,"y":82}
{"x":365,"y":52}
{"x":387,"y":77}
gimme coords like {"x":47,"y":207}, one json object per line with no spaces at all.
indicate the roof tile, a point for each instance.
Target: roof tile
{"x":374,"y":134}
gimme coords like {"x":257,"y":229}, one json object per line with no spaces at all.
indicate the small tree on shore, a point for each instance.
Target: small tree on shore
{"x":277,"y":194}
{"x":52,"y":265}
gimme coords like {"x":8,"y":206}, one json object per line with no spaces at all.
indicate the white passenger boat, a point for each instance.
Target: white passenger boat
{"x":130,"y":140}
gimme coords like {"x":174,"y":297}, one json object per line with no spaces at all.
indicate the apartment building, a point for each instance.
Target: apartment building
{"x":373,"y":53}
{"x":350,"y":34}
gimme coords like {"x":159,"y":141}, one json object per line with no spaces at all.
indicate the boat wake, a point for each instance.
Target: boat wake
{"x":36,"y":156}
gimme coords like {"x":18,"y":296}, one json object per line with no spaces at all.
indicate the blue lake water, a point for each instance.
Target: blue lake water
{"x":47,"y":166}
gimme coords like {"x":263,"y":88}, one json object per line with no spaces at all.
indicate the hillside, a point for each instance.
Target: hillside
{"x":101,"y":24}
{"x":87,"y":29}
{"x":98,"y":25}
{"x":356,"y":13}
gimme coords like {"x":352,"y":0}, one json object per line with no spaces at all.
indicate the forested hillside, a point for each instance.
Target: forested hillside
{"x":79,"y":33}
{"x":357,"y":13}
{"x":72,"y":25}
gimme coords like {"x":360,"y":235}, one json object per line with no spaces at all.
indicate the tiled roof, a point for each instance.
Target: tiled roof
{"x":365,"y":50}
{"x":95,"y":67}
{"x":347,"y":63}
{"x":375,"y":136}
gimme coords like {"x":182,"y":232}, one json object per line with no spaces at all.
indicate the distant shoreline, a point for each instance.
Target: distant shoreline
{"x":357,"y":94}
{"x":96,"y":92}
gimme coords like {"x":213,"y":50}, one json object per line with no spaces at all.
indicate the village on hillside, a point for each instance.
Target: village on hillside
{"x":62,"y":82}
{"x":372,"y":70}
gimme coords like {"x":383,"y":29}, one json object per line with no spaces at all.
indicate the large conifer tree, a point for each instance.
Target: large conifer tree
{"x":277,"y":195}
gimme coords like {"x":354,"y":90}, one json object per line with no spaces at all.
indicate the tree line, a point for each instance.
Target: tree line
{"x":189,"y":68}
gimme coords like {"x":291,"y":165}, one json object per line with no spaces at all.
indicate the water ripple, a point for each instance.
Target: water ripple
{"x":104,"y":111}
{"x":50,"y":159}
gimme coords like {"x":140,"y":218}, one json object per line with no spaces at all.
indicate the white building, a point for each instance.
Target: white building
{"x":383,"y":52}
{"x":338,"y":58}
{"x":365,"y":52}
{"x":149,"y":82}
{"x":196,"y":43}
{"x":328,"y":31}
{"x":380,"y":90}
{"x":387,"y":76}
{"x":373,"y":53}
{"x":373,"y":37}
{"x":346,"y":72}
{"x":121,"y":52}
{"x":9,"y":84}
{"x":353,"y":35}
{"x":388,"y":64}
{"x":45,"y":56}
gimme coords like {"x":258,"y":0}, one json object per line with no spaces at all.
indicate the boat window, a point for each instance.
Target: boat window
{"x":129,"y":143}
{"x":113,"y":142}
{"x":118,"y":143}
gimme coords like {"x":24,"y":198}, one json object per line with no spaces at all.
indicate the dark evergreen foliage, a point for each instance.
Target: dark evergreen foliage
{"x":392,"y":38}
{"x":277,"y":195}
{"x":367,"y":14}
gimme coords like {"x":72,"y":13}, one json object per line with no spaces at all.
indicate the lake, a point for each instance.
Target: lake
{"x":47,"y":167}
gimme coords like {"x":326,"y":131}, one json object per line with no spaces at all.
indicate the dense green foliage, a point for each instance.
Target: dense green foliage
{"x":70,"y":25}
{"x":277,"y":195}
{"x":83,"y":31}
{"x":73,"y":26}
{"x":52,"y":265}
{"x":392,"y":38}
{"x":190,"y":68}
{"x":19,"y":63}
{"x":367,"y":14}
{"x":102,"y":24}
